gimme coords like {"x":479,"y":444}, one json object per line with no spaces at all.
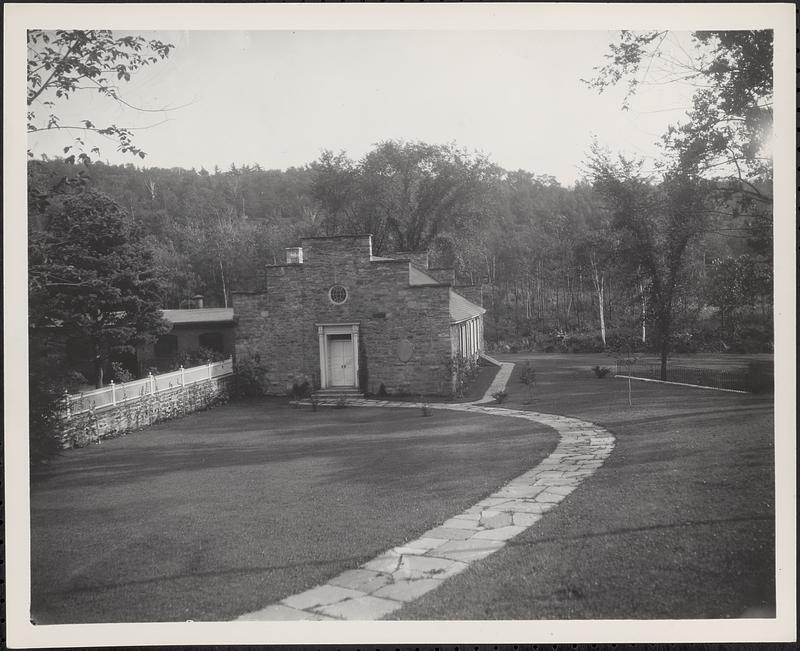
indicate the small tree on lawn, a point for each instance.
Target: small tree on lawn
{"x":527,"y":376}
{"x":92,"y":276}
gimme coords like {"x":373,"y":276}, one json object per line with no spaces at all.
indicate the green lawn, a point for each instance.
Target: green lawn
{"x":678,"y":522}
{"x":715,"y":361}
{"x":226,"y":511}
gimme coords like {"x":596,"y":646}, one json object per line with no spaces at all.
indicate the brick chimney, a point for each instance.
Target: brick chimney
{"x":294,"y":255}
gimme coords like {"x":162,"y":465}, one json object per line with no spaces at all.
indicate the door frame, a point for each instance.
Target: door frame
{"x":325,"y":329}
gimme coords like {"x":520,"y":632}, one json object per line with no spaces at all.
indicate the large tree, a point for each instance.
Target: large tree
{"x":717,"y":162}
{"x":92,"y":276}
{"x":404,"y":193}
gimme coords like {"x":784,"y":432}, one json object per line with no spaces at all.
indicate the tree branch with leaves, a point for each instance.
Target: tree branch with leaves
{"x":65,"y":62}
{"x":729,"y":126}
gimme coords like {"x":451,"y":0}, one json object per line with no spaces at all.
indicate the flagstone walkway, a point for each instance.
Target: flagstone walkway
{"x":404,"y":573}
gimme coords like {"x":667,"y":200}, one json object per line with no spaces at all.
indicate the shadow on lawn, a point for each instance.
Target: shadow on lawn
{"x":377,"y":456}
{"x":521,"y":542}
{"x":87,"y":587}
{"x":709,"y":415}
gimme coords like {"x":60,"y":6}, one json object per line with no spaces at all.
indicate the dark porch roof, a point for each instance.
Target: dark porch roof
{"x":201,"y":315}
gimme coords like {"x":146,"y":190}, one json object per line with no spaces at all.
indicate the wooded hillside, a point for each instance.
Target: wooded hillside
{"x":557,"y":269}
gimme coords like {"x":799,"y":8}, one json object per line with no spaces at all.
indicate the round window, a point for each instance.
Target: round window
{"x":338,"y":294}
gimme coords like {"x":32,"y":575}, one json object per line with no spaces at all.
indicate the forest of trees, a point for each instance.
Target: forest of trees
{"x":675,"y":258}
{"x":558,"y":270}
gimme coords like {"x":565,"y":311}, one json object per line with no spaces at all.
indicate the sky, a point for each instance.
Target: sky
{"x":278,"y":98}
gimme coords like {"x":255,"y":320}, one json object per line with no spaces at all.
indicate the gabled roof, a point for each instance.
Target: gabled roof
{"x":199,"y":315}
{"x":461,"y":309}
{"x":418,"y":277}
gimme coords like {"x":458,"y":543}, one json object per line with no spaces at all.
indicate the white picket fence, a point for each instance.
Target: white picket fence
{"x":117,"y":394}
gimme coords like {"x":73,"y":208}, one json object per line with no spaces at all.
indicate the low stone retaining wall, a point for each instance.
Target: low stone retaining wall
{"x":95,"y":425}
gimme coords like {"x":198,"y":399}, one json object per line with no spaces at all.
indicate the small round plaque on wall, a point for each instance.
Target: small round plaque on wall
{"x":405,"y":349}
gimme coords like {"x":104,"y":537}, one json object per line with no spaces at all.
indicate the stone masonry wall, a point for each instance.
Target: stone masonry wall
{"x":78,"y":430}
{"x":278,"y":326}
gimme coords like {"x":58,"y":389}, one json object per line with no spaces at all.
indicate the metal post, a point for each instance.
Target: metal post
{"x":113,"y":394}
{"x":152,"y":383}
{"x":183,"y":378}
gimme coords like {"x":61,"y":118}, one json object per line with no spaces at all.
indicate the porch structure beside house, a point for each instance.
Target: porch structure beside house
{"x":193,"y":329}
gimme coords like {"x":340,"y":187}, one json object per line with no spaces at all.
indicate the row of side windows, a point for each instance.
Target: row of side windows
{"x":470,"y":336}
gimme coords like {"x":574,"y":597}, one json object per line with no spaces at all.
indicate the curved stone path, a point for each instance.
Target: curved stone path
{"x":404,"y":573}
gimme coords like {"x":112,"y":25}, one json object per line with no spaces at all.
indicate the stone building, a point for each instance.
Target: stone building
{"x":342,"y":320}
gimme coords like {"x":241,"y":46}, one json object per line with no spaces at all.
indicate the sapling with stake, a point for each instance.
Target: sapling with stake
{"x":527,"y":376}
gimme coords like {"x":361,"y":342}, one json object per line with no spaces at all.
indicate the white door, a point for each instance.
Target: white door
{"x":340,"y":362}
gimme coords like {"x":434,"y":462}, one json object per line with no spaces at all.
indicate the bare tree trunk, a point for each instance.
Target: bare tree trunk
{"x":643,"y":298}
{"x":600,"y":301}
{"x":571,"y":292}
{"x":151,"y":187}
{"x":528,"y":297}
{"x":224,"y":288}
{"x":539,"y":291}
{"x":558,"y":307}
{"x":98,"y":368}
{"x":599,"y":286}
{"x":665,"y":323}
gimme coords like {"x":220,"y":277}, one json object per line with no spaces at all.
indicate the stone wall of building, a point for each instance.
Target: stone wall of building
{"x":417,"y":258}
{"x":278,"y":327}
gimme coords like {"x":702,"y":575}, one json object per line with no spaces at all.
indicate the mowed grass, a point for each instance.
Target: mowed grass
{"x":711,"y":361}
{"x":226,"y":511}
{"x":678,"y":522}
